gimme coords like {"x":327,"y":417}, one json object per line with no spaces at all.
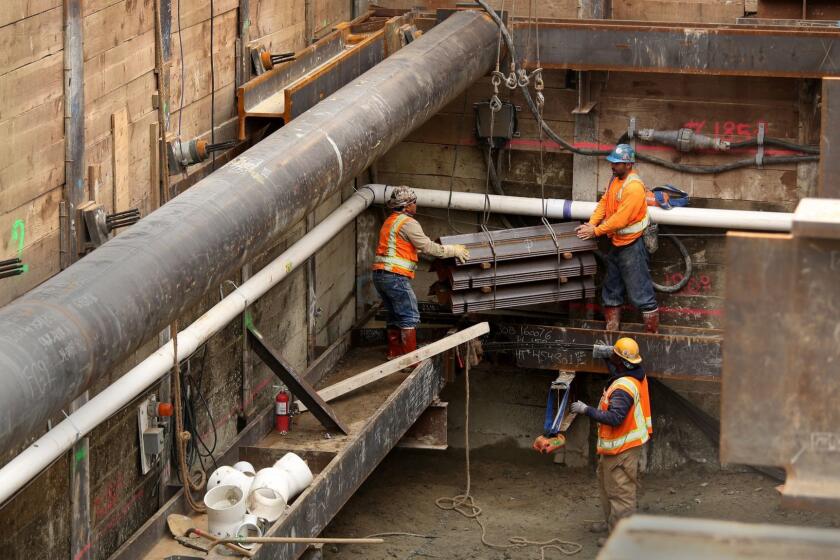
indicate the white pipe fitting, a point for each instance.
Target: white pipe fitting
{"x":229,"y":476}
{"x":245,"y":467}
{"x":270,"y":493}
{"x":225,"y":510}
{"x":300,"y":476}
{"x":250,"y":527}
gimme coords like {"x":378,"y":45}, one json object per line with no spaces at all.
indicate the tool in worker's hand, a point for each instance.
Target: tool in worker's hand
{"x":555,"y":411}
{"x":183,"y":526}
{"x":602,"y":351}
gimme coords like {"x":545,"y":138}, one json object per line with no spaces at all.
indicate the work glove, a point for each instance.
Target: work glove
{"x":579,"y":407}
{"x":460,"y":252}
{"x":549,"y":444}
{"x":602,"y":351}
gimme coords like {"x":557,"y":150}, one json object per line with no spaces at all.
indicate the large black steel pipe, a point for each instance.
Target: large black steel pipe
{"x":77,"y":326}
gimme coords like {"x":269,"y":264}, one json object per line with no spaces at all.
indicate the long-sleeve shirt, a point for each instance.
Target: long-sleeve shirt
{"x":413,"y":233}
{"x":620,"y":400}
{"x":612,"y":215}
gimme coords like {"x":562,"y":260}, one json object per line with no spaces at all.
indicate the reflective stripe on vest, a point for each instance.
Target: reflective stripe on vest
{"x":641,"y":224}
{"x":390,"y":261}
{"x":636,"y":436}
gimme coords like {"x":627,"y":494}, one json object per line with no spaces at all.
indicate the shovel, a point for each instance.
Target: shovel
{"x":182,"y":526}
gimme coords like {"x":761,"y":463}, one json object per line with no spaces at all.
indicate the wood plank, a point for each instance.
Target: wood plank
{"x":196,"y":40}
{"x":154,"y":164}
{"x":31,"y":176}
{"x":32,"y":130}
{"x":118,"y":66}
{"x":330,"y":12}
{"x":16,"y":10}
{"x":194,"y":12}
{"x":32,"y":85}
{"x":269,"y":17}
{"x":34,"y":222}
{"x":398,"y":364}
{"x":44,"y":37}
{"x":792,"y":9}
{"x":100,"y":33}
{"x":120,"y":160}
{"x":42,"y":259}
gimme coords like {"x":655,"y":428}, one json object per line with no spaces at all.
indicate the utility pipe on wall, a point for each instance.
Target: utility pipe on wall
{"x":77,"y":326}
{"x":58,"y":440}
{"x":558,"y":209}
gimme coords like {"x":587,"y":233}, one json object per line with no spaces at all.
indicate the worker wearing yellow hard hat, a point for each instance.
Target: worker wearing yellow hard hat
{"x":624,"y":426}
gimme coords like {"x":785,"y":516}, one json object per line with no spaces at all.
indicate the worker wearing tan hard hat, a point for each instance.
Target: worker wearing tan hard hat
{"x":401,"y":239}
{"x":624,"y":426}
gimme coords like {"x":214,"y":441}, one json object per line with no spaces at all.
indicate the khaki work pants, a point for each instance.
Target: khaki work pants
{"x":618,"y":480}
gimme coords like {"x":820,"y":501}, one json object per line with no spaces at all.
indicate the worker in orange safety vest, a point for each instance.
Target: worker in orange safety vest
{"x":401,"y":240}
{"x":624,"y":426}
{"x":622,"y":215}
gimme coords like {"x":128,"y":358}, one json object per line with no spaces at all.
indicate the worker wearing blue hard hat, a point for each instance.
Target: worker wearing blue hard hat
{"x":622,"y":215}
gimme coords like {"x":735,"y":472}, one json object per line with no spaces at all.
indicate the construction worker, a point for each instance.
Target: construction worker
{"x":622,"y":215}
{"x":624,"y":426}
{"x":400,"y":240}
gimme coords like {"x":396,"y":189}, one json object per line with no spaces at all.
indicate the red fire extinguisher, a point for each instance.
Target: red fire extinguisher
{"x":281,"y":412}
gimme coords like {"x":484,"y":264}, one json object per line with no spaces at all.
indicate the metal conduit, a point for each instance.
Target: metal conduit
{"x":60,"y":337}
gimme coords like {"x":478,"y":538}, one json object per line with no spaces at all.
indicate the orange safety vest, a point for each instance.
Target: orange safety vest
{"x":394,"y":253}
{"x":640,"y":221}
{"x":637,"y":426}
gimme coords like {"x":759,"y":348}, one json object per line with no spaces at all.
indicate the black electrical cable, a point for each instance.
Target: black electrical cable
{"x":687,"y":272}
{"x":694,"y":169}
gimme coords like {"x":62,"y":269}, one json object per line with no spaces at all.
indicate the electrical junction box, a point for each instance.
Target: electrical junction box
{"x":152,"y":442}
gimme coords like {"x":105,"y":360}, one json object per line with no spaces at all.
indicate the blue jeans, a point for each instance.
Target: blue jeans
{"x":627,"y":270}
{"x":398,"y":298}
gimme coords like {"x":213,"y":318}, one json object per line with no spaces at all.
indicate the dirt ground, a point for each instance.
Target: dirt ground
{"x":524,"y":494}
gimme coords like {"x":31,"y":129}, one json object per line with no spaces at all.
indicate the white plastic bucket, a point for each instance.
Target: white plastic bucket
{"x":269,"y":493}
{"x":298,"y":470}
{"x":225,"y":509}
{"x":230,"y":476}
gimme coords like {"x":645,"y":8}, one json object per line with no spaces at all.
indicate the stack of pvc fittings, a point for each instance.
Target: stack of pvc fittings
{"x":274,"y":487}
{"x":238,"y":498}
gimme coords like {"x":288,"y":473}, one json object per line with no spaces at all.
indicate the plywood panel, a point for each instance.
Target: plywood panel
{"x":31,"y":85}
{"x":30,"y":39}
{"x":700,"y":11}
{"x":14,"y":10}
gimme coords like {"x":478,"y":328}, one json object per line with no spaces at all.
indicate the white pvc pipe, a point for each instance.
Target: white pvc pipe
{"x":38,"y":456}
{"x":576,"y":210}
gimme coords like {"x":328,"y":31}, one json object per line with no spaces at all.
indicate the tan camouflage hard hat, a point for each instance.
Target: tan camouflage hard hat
{"x":401,"y":197}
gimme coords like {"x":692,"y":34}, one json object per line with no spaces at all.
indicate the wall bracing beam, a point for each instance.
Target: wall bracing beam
{"x":59,"y":338}
{"x":674,"y":48}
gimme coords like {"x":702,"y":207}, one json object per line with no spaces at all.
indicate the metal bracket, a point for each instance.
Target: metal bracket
{"x":631,"y":132}
{"x":296,"y":383}
{"x":585,"y":103}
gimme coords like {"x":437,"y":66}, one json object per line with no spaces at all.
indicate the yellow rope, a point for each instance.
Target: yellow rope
{"x":466,"y":505}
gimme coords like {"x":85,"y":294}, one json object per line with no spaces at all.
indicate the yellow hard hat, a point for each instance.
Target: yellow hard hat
{"x":627,"y":349}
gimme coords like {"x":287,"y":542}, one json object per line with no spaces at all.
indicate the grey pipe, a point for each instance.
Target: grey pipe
{"x":59,"y":338}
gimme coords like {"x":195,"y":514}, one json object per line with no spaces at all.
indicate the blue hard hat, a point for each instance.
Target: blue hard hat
{"x":623,"y":153}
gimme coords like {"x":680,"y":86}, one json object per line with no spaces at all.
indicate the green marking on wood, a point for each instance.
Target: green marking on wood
{"x":19,"y":234}
{"x":80,"y":454}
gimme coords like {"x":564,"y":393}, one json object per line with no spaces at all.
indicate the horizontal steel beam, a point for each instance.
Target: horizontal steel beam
{"x":670,"y":356}
{"x":723,"y":50}
{"x":76,"y":327}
